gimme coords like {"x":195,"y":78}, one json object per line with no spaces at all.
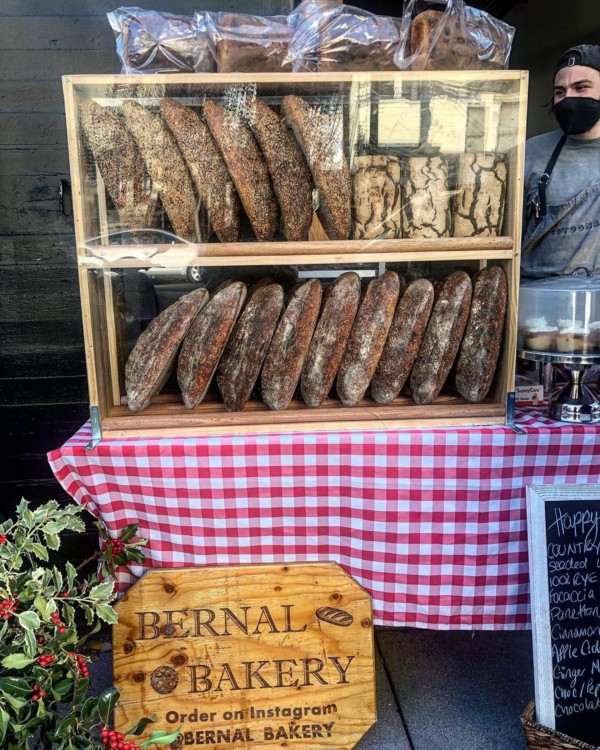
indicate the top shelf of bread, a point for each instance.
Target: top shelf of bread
{"x":230,"y":168}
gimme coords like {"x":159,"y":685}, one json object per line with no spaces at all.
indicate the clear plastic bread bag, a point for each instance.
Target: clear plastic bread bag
{"x":348,"y":38}
{"x":245,"y":43}
{"x":451,"y":36}
{"x":151,"y":42}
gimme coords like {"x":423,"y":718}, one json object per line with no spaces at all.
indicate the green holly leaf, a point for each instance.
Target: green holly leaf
{"x":4,"y":720}
{"x":63,"y":688}
{"x":17,"y":661}
{"x":40,"y":551}
{"x":102,"y":591}
{"x":28,"y":620}
{"x":107,"y":613}
{"x":160,"y":737}
{"x":14,"y":686}
{"x":107,"y":700}
{"x":52,"y":540}
{"x":128,"y":532}
{"x":140,"y":726}
{"x":88,"y":710}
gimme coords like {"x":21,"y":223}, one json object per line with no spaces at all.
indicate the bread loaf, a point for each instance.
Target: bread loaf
{"x":287,"y":167}
{"x":442,"y":337}
{"x":376,"y":192}
{"x":356,"y":40}
{"x":320,"y":133}
{"x":481,"y":195}
{"x":328,"y":344}
{"x":151,"y":360}
{"x":205,"y":341}
{"x":289,"y":345}
{"x":367,"y":338}
{"x":246,"y":166}
{"x":480,"y":346}
{"x":206,"y":165}
{"x":249,"y":44}
{"x":166,"y":167}
{"x":422,"y":31}
{"x":121,"y":165}
{"x":243,"y":356}
{"x":426,"y":199}
{"x":403,"y":340}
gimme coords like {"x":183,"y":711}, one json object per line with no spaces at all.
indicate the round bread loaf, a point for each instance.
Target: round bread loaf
{"x":340,"y":303}
{"x":243,"y":356}
{"x":205,"y":341}
{"x":289,"y":345}
{"x":442,"y":337}
{"x":478,"y":355}
{"x":403,"y":341}
{"x":367,"y":338}
{"x":151,"y":360}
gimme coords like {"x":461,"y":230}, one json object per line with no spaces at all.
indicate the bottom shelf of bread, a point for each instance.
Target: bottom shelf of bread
{"x":355,"y":350}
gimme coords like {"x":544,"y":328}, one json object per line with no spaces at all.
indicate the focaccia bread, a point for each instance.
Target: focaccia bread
{"x":376,"y":193}
{"x":478,"y":355}
{"x":320,"y":133}
{"x":442,"y":337}
{"x":403,"y":341}
{"x":205,"y":342}
{"x":206,"y":165}
{"x":367,"y":338}
{"x":151,"y":359}
{"x":481,"y":195}
{"x":121,"y":165}
{"x":247,"y":168}
{"x":340,"y":304}
{"x":166,"y":167}
{"x":243,"y":356}
{"x":426,"y":198}
{"x":287,"y":167}
{"x":289,"y":345}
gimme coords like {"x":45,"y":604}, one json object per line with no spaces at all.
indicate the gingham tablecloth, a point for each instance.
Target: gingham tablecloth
{"x":431,"y":522}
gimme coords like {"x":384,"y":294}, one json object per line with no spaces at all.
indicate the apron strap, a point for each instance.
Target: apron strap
{"x":544,"y":179}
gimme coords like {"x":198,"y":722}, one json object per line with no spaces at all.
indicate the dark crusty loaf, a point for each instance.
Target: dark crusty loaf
{"x":481,"y":195}
{"x":422,"y":31}
{"x":403,"y":341}
{"x":442,"y":337}
{"x":376,"y":197}
{"x":205,"y":341}
{"x":151,"y":359}
{"x":207,"y":168}
{"x":320,"y":133}
{"x":367,"y":338}
{"x":247,"y":346}
{"x":246,"y":166}
{"x":289,"y":345}
{"x":166,"y":166}
{"x":121,"y":165}
{"x":478,"y":355}
{"x":287,"y":167}
{"x":340,"y":303}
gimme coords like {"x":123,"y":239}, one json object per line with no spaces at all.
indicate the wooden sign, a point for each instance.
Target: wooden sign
{"x":564,"y":562}
{"x":247,"y":656}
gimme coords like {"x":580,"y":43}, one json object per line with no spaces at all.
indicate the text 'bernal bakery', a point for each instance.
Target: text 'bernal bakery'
{"x":247,"y":675}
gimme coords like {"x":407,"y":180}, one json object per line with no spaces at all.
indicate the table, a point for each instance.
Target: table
{"x":431,"y":522}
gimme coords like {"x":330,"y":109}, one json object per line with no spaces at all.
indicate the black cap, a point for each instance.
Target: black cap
{"x":583,"y":54}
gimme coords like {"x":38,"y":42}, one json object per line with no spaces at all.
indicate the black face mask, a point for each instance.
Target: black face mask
{"x":577,"y":114}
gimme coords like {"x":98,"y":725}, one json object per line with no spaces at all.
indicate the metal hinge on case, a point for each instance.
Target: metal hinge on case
{"x":96,"y":429}
{"x":509,"y":419}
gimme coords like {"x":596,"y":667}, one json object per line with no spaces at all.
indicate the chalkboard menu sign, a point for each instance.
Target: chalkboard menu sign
{"x":564,"y":562}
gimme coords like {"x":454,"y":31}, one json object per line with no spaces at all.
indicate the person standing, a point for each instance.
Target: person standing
{"x":562,"y":174}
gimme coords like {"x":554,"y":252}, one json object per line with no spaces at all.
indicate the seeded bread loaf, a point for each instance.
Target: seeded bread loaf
{"x":403,"y":341}
{"x":121,"y":165}
{"x":243,"y":356}
{"x":320,"y":133}
{"x":246,"y":166}
{"x":206,"y":165}
{"x":367,"y":338}
{"x":340,"y":303}
{"x":166,"y":167}
{"x":151,"y":359}
{"x":289,"y":345}
{"x":480,"y":346}
{"x":287,"y":167}
{"x":442,"y":337}
{"x":205,"y":341}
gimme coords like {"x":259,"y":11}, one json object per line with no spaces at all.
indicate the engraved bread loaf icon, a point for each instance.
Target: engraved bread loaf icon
{"x":335,"y":616}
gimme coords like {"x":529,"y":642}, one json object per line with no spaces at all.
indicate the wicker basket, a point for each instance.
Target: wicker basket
{"x":540,"y":737}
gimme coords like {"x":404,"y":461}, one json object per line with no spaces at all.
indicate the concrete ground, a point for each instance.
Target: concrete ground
{"x":438,"y":690}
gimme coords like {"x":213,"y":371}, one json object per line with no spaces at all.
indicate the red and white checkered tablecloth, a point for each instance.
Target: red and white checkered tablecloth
{"x":430,"y":522}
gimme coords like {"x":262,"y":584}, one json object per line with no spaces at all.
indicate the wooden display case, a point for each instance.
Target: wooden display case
{"x":440,"y":114}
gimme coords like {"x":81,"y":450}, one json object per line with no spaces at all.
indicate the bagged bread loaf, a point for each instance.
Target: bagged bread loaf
{"x":377,"y":201}
{"x":151,"y":359}
{"x":207,"y":168}
{"x":481,"y":195}
{"x":205,"y":342}
{"x":480,"y":347}
{"x":247,"y":43}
